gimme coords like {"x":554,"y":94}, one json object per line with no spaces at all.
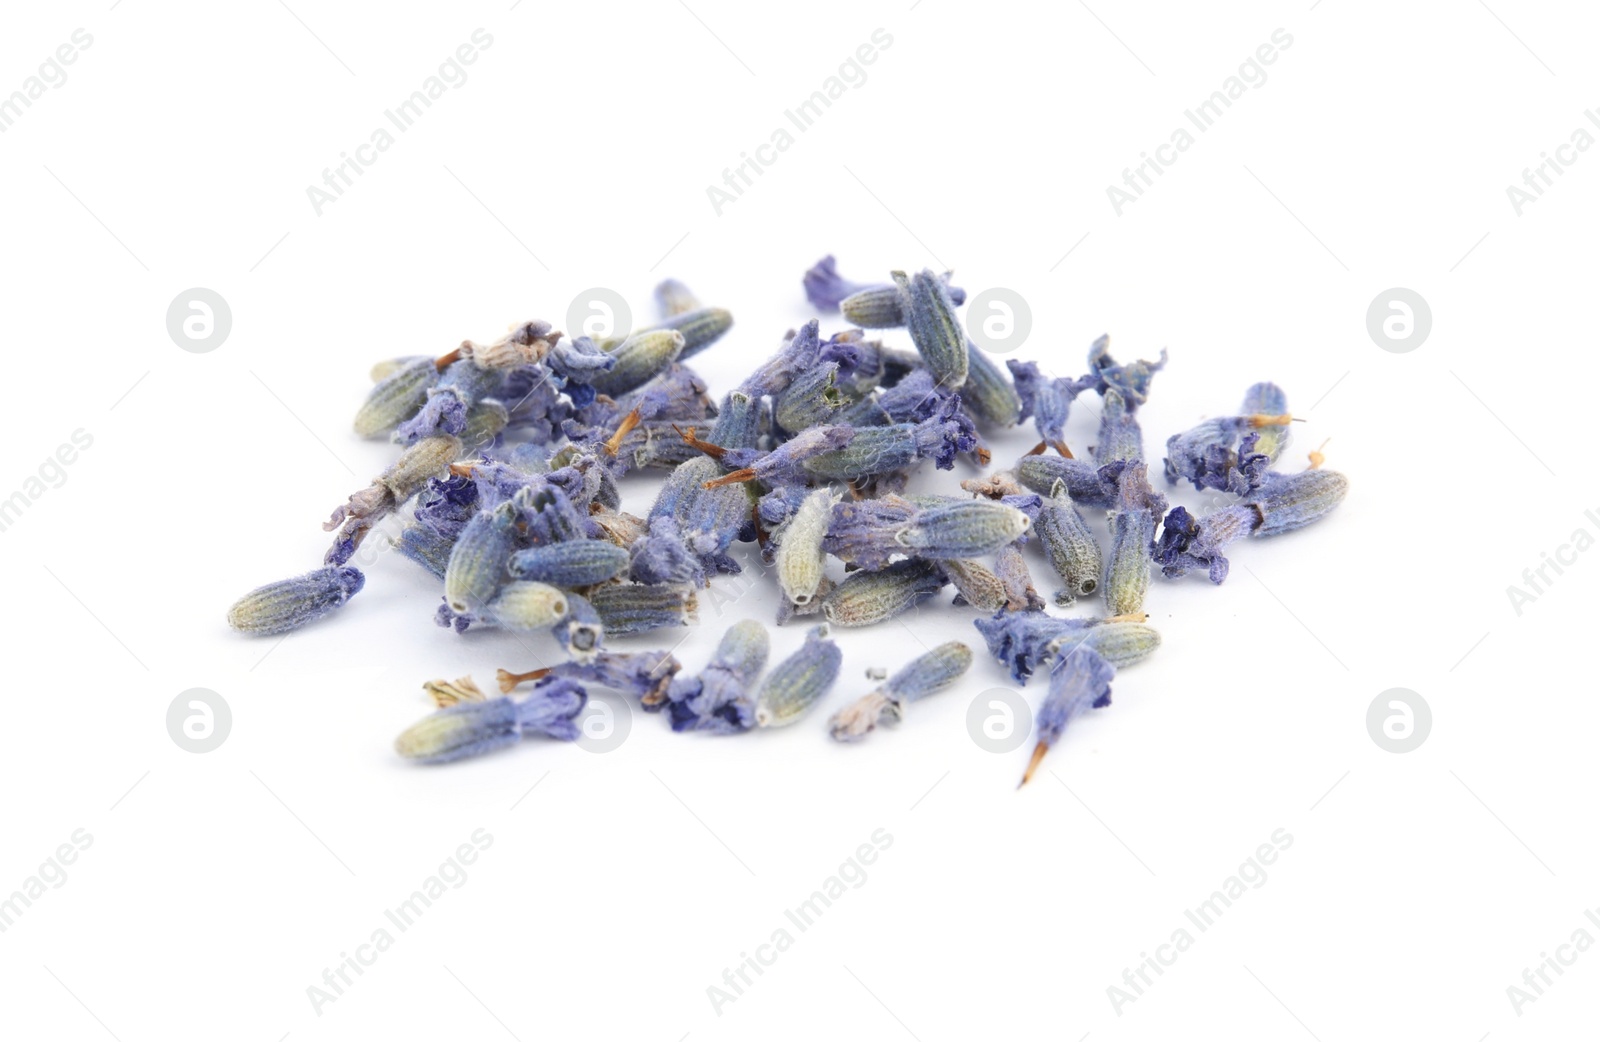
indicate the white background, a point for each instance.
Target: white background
{"x":1376,"y":154}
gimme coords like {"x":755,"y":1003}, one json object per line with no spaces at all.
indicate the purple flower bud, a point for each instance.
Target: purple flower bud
{"x":469,"y":729}
{"x":1131,"y":381}
{"x":721,"y":698}
{"x":291,"y":603}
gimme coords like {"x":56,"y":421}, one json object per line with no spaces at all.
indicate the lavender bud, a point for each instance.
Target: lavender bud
{"x":394,"y":398}
{"x":1290,"y":501}
{"x":1131,"y":381}
{"x":582,"y":633}
{"x":963,"y":529}
{"x":524,"y":605}
{"x":700,"y":327}
{"x":721,"y":698}
{"x":1013,"y":572}
{"x":1079,"y":681}
{"x":474,"y":728}
{"x":799,"y":681}
{"x":1268,"y":399}
{"x":639,"y":358}
{"x":1081,"y":477}
{"x":987,"y":393}
{"x":478,"y":562}
{"x":427,"y":459}
{"x":1120,"y":436}
{"x":1127,"y":575}
{"x":931,"y":320}
{"x":876,"y":307}
{"x":1069,"y":544}
{"x":865,"y":598}
{"x":635,"y":608}
{"x":485,"y":421}
{"x":799,"y":558}
{"x":825,"y":287}
{"x":577,"y":562}
{"x":976,"y":584}
{"x":289,"y":604}
{"x":813,"y":398}
{"x":925,"y":675}
{"x":1119,"y":643}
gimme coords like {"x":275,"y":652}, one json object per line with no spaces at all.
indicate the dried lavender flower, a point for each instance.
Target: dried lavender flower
{"x":931,"y":321}
{"x":825,"y":287}
{"x":813,"y":398}
{"x":393,"y":399}
{"x":976,"y":585}
{"x":799,"y":681}
{"x":1023,"y":641}
{"x":880,"y":306}
{"x":1080,"y":680}
{"x":866,"y":598}
{"x":925,"y":675}
{"x":288,"y":604}
{"x":1285,"y":502}
{"x":525,"y":605}
{"x":721,"y":698}
{"x":1120,"y":642}
{"x":1290,"y":501}
{"x":427,"y":459}
{"x":1131,"y":381}
{"x":799,"y":558}
{"x":1012,"y":571}
{"x":988,"y":395}
{"x":574,"y":563}
{"x":473,"y":728}
{"x":1268,"y":399}
{"x":478,"y":561}
{"x":1082,"y":478}
{"x":639,"y":358}
{"x":700,"y":327}
{"x":1047,"y":400}
{"x":962,"y":529}
{"x":582,"y":633}
{"x":1127,"y":575}
{"x":1205,"y":454}
{"x":636,"y":608}
{"x":1069,"y":545}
